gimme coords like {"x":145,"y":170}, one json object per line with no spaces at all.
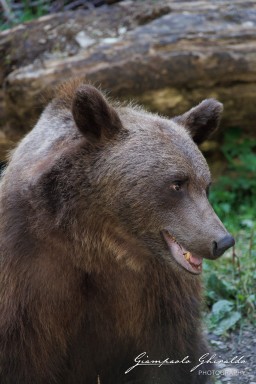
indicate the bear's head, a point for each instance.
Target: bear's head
{"x":106,"y":178}
{"x":150,"y":176}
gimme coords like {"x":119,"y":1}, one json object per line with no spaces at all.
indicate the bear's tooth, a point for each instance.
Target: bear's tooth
{"x":187,"y":255}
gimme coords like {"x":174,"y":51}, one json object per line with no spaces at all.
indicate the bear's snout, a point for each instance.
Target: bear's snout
{"x":221,"y":245}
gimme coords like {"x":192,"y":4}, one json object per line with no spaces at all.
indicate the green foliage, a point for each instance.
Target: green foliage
{"x":25,"y":11}
{"x":30,"y":13}
{"x":230,"y":286}
{"x":230,"y":282}
{"x":223,"y":316}
{"x":234,"y":195}
{"x":16,"y":12}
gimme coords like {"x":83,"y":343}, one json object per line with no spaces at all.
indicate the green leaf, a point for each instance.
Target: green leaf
{"x":227,"y":323}
{"x":221,"y":308}
{"x":222,"y":289}
{"x":247,"y":223}
{"x":252,"y":299}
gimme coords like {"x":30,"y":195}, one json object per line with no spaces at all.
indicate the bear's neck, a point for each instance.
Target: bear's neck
{"x":135,"y":304}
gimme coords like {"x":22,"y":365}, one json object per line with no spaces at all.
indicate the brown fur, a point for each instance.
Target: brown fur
{"x":86,"y":281}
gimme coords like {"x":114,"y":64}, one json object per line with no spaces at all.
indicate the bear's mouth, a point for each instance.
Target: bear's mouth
{"x":186,"y":259}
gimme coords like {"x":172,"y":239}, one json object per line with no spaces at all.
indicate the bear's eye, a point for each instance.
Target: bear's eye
{"x":177,"y":185}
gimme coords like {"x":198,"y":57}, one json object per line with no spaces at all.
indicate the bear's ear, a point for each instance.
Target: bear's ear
{"x":202,"y":120}
{"x":94,"y":117}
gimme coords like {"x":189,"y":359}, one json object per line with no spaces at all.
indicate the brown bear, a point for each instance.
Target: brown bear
{"x":104,"y":225}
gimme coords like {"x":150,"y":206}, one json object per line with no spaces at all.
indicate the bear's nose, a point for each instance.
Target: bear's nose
{"x":220,"y":246}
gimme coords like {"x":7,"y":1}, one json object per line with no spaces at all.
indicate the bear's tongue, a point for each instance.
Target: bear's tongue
{"x":196,"y":260}
{"x":188,"y":261}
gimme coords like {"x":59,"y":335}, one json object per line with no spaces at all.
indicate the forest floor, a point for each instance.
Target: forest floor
{"x":240,"y":343}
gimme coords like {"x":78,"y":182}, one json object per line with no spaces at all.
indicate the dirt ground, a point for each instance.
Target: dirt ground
{"x":240,"y":343}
